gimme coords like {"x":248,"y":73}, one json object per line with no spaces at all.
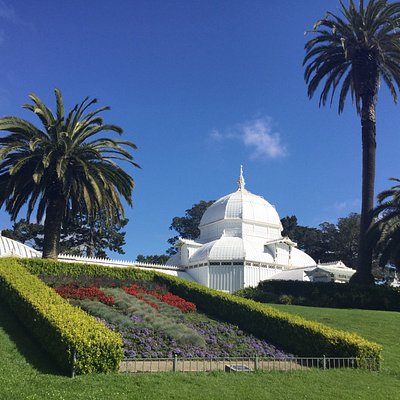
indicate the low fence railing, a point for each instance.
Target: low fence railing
{"x":241,"y":364}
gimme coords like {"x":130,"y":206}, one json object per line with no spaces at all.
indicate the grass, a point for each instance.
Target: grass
{"x":27,"y":373}
{"x":382,"y":327}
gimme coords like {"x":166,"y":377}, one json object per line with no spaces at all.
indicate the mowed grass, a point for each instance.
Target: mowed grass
{"x":382,"y":327}
{"x":27,"y":373}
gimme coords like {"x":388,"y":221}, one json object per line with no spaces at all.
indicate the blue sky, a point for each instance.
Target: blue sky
{"x":201,"y":87}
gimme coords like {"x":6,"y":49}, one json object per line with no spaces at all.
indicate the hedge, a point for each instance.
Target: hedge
{"x":291,"y":333}
{"x":325,"y":294}
{"x":39,"y":266}
{"x":60,"y":328}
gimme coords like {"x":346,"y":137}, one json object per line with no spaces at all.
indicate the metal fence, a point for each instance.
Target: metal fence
{"x":242,"y":364}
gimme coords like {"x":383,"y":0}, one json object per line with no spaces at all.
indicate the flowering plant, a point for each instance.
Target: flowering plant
{"x":168,"y":298}
{"x":92,"y":293}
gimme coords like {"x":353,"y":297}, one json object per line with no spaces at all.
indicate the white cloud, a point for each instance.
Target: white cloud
{"x":257,"y":135}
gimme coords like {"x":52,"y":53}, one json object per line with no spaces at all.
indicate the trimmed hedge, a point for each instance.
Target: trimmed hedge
{"x":39,"y":266}
{"x":58,"y":326}
{"x":290,"y":332}
{"x":325,"y":294}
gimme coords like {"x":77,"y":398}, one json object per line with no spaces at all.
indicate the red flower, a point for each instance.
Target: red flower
{"x":168,"y":298}
{"x":92,"y":293}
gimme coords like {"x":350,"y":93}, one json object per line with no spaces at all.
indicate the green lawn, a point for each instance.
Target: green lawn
{"x":382,"y":327}
{"x":26,"y":372}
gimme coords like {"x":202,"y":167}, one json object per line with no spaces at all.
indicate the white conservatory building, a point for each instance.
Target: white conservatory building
{"x":240,"y":244}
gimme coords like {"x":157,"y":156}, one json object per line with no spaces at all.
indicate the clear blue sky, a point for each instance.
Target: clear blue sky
{"x":201,"y":87}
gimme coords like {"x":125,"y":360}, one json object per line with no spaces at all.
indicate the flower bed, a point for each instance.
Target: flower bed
{"x":158,"y":330}
{"x":92,"y":293}
{"x":295,"y":334}
{"x":222,"y":340}
{"x":168,"y":298}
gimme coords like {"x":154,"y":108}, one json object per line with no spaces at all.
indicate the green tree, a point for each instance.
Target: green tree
{"x":63,"y":169}
{"x":340,"y":240}
{"x":308,"y":239}
{"x":329,"y":242}
{"x":78,"y":237}
{"x":354,"y":52}
{"x":385,"y":232}
{"x":188,"y":225}
{"x":25,"y":232}
{"x":82,"y":237}
{"x":154,"y":259}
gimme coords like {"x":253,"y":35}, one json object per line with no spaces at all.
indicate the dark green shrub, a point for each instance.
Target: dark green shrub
{"x":326,"y":294}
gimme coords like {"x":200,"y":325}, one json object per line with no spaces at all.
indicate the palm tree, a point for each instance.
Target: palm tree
{"x":62,"y":169}
{"x":355,"y":52}
{"x":385,"y":231}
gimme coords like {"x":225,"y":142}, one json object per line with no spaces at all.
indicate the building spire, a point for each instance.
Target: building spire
{"x":241,"y":182}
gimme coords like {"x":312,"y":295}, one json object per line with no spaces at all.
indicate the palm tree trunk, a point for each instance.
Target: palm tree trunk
{"x":52,"y":228}
{"x":368,"y":123}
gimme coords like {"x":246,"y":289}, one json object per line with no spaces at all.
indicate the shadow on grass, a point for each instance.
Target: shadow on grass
{"x":26,"y":345}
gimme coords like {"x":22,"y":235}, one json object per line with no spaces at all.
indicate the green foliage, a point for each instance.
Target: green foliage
{"x":350,"y":54}
{"x":188,"y":225}
{"x":324,"y":294}
{"x":165,"y":322}
{"x":384,"y":234}
{"x":27,"y":373}
{"x":153,"y":259}
{"x":329,"y":242}
{"x":100,"y":310}
{"x":79,"y":236}
{"x":308,"y":239}
{"x":40,"y":266}
{"x":58,"y":326}
{"x":291,"y":333}
{"x":63,"y":169}
{"x":25,"y":232}
{"x":353,"y":50}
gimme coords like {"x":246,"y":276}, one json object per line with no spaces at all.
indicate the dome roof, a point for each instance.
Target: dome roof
{"x":241,"y":205}
{"x":225,"y":248}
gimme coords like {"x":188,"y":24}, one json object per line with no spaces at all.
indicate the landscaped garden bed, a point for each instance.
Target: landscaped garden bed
{"x":296,"y":335}
{"x":155,"y":323}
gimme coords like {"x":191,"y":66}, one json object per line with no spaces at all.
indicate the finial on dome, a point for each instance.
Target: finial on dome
{"x":241,"y":182}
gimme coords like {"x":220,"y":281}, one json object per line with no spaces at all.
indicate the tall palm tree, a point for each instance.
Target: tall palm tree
{"x":385,"y":231}
{"x":355,"y":52}
{"x":63,"y":168}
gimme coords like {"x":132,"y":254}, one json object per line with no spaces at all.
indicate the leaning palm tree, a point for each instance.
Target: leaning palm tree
{"x":63,"y":168}
{"x":385,"y":231}
{"x":353,"y":53}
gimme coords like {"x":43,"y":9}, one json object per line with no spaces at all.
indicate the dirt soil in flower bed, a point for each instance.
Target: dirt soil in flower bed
{"x":155,"y":323}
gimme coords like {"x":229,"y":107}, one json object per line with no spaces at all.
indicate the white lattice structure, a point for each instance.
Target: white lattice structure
{"x":12,"y":248}
{"x":240,"y":244}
